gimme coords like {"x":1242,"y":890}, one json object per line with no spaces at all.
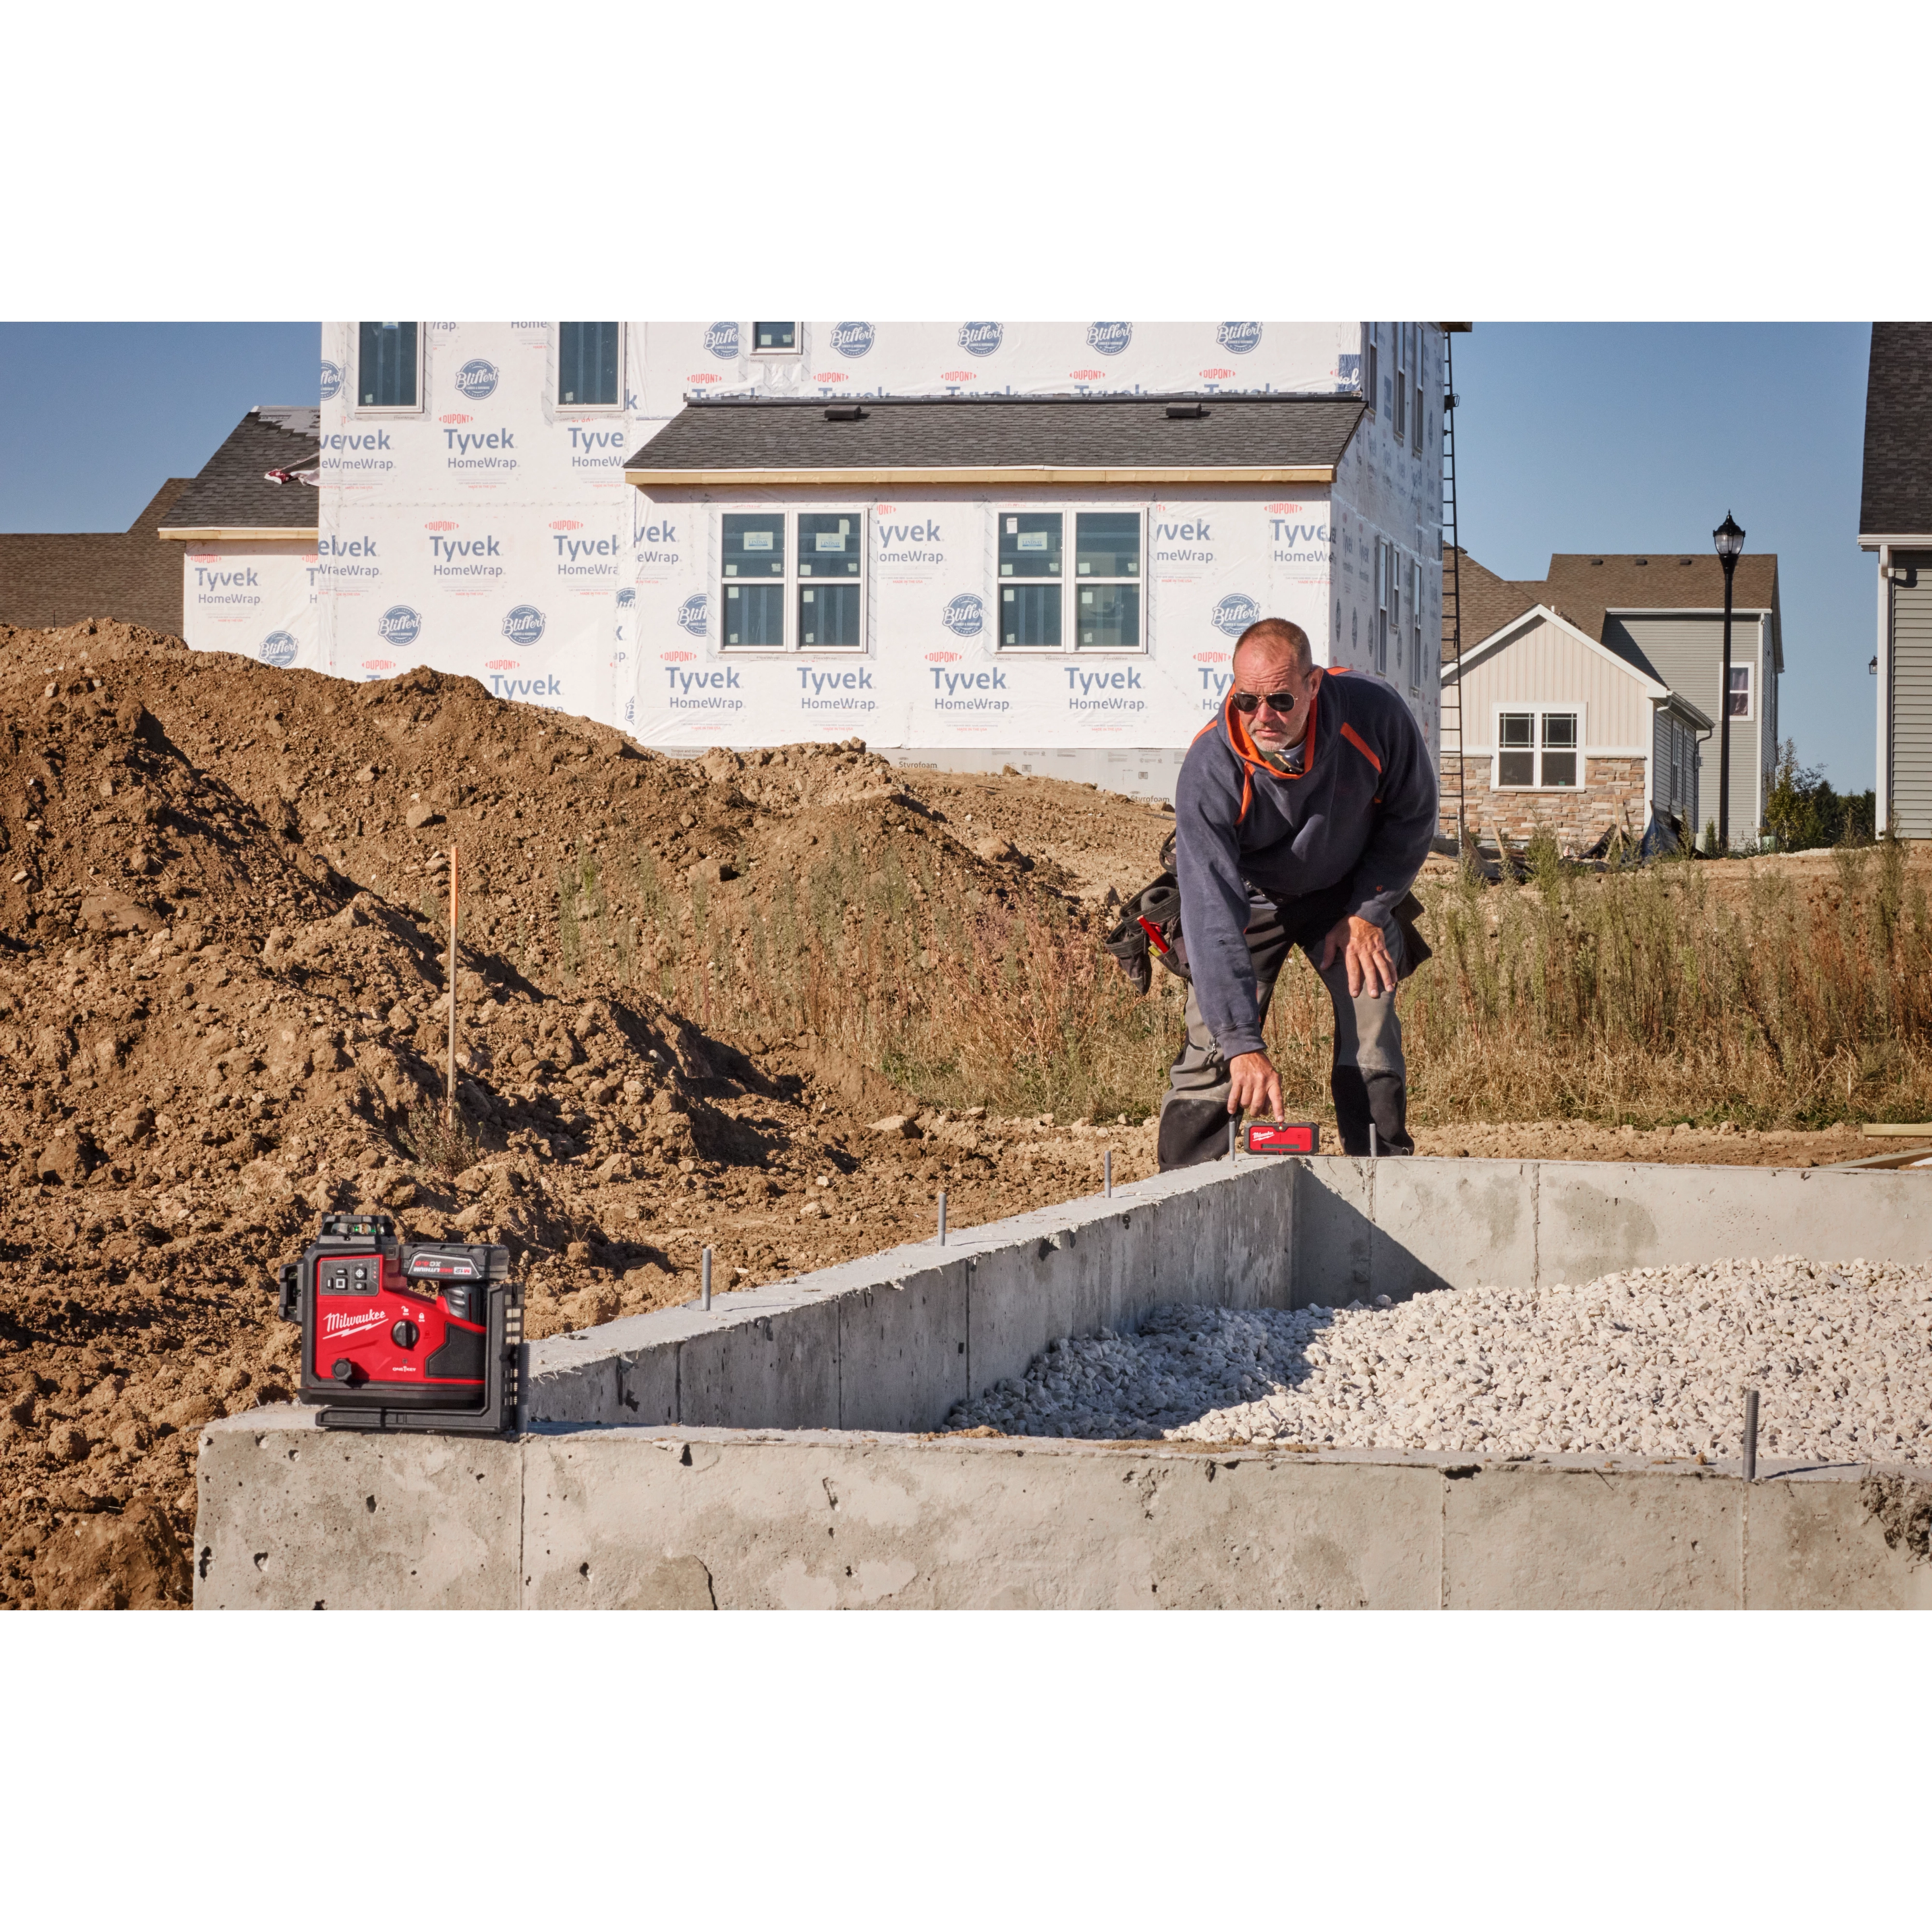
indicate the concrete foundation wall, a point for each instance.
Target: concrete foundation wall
{"x":893,"y":1340}
{"x":765,"y":1452}
{"x":292,"y":1518}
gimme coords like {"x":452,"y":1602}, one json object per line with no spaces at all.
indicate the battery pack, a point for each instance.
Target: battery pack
{"x":1295,"y":1137}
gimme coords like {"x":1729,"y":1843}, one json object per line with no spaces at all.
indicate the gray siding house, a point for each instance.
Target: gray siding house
{"x":1661,"y":616}
{"x":1895,"y":520}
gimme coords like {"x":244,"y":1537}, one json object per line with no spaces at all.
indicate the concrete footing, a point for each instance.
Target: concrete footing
{"x":767,"y":1453}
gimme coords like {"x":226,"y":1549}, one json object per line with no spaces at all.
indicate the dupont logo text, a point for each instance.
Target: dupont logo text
{"x":476,"y":380}
{"x":964,"y":616}
{"x":399,"y":625}
{"x":1234,"y":614}
{"x":523,"y":624}
{"x":720,"y":339}
{"x":331,"y":381}
{"x":1109,"y":338}
{"x":981,"y":338}
{"x":852,"y":338}
{"x":693,"y":614}
{"x":279,"y":648}
{"x":1239,"y":338}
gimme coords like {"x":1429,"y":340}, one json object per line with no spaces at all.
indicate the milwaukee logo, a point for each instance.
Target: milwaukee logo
{"x":344,"y":1324}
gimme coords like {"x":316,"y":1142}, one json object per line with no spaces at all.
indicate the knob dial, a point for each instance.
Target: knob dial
{"x":404,"y":1334}
{"x":343,"y":1369}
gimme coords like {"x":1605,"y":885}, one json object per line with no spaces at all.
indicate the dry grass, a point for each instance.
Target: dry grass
{"x":1644,"y":996}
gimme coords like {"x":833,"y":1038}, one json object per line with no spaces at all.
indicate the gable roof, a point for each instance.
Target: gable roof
{"x":999,"y":439}
{"x":1896,"y":498}
{"x":1626,"y":659}
{"x":1584,"y":589}
{"x":232,"y":494}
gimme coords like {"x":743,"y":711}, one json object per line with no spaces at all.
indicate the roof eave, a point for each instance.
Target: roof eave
{"x":242,"y":533}
{"x":1017,"y":475}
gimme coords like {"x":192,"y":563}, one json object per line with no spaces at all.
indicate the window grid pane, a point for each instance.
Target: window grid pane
{"x":755,"y":546}
{"x":830,"y":616}
{"x":1030,"y":543}
{"x":386,"y":367}
{"x":774,"y":338}
{"x":828,"y":546}
{"x":1030,"y":615}
{"x":587,"y":364}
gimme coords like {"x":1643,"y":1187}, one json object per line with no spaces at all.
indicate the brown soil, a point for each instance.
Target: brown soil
{"x":222,"y":1011}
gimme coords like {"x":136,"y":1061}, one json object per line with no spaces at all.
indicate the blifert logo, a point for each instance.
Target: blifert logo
{"x":399,"y":625}
{"x":523,"y":625}
{"x":720,"y":339}
{"x":693,"y":614}
{"x":1239,"y":338}
{"x":965,"y":615}
{"x":851,"y":338}
{"x":626,"y":598}
{"x":1234,"y":614}
{"x":476,"y":380}
{"x":981,"y":338}
{"x":331,"y":381}
{"x":279,"y":648}
{"x":1109,"y":338}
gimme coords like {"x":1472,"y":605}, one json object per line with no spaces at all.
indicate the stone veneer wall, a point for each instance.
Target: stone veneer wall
{"x":1612,"y":793}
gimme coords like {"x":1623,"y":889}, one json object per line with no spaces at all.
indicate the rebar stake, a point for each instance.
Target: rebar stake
{"x":1751,"y":1435}
{"x":942,"y":1217}
{"x":1107,"y":1172}
{"x":704,"y":1278}
{"x":1234,"y":1134}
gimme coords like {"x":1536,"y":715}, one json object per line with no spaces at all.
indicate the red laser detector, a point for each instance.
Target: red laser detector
{"x":1273,"y":1137}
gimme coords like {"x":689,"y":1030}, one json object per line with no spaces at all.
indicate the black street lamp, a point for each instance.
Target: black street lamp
{"x":1730,"y":542}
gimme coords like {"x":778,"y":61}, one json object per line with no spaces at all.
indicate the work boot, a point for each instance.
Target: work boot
{"x":1360,"y":1098}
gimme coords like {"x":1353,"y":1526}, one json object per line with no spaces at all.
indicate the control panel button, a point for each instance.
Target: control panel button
{"x":404,"y":1334}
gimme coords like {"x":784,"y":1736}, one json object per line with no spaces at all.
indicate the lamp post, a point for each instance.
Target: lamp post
{"x":1730,"y":542}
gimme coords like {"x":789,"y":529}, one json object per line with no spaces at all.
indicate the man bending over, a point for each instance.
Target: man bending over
{"x":1303,"y":813}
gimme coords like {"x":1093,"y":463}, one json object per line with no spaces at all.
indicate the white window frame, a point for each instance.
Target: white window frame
{"x":757,"y":355}
{"x":1068,"y":580}
{"x":1749,"y":712}
{"x":1418,"y":374}
{"x":1378,"y":637}
{"x":616,"y":409}
{"x":794,"y":581}
{"x":360,"y":408}
{"x":1574,"y":709}
{"x":1399,"y":426}
{"x":1371,"y":365}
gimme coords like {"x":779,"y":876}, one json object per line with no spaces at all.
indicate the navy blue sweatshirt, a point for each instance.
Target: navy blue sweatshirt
{"x":1360,"y":814}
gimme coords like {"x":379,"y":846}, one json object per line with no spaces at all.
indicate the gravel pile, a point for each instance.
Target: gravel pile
{"x":1653,"y":1362}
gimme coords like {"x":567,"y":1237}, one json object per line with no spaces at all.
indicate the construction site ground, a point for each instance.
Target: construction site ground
{"x":222,"y":1011}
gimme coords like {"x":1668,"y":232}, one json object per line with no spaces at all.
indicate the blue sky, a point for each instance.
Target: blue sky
{"x":1571,"y":437}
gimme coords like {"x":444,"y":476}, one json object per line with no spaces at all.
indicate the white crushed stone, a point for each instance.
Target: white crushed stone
{"x":1653,"y":1362}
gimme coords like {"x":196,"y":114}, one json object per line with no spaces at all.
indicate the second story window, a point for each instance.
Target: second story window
{"x":774,"y":338}
{"x":793,"y":580}
{"x":1371,"y":365}
{"x":388,"y":366}
{"x":1739,"y":706}
{"x":590,"y":365}
{"x":1398,"y":423}
{"x":1095,"y":606}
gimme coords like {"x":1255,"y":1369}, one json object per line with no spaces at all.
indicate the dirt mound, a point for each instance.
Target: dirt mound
{"x":222,"y":1009}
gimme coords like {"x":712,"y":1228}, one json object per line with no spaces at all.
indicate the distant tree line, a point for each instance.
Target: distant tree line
{"x":1803,"y":811}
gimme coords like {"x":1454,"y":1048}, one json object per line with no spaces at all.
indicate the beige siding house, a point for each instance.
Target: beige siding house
{"x":1588,"y":699}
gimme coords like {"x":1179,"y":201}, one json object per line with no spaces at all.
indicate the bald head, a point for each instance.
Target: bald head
{"x":1274,"y":659}
{"x":1276,"y":637}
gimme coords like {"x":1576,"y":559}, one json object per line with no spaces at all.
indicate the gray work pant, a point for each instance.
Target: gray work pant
{"x":1367,"y":1077}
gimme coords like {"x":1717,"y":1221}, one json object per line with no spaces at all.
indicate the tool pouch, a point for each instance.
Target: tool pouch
{"x":1150,"y":928}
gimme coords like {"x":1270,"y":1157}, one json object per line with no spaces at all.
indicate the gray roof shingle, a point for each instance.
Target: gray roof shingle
{"x":1003,"y":432}
{"x":232,"y":491}
{"x":1896,"y":498}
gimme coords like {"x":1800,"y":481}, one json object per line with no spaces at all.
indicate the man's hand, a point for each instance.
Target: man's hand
{"x":1253,"y":1086}
{"x":1367,"y":951}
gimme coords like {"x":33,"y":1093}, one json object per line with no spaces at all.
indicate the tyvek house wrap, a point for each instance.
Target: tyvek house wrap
{"x":258,"y":599}
{"x":483,"y":534}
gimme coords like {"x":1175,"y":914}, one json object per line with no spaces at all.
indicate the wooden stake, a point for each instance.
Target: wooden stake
{"x":449,"y":1081}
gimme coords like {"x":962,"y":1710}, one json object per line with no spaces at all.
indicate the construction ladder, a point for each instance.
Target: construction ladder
{"x":1451,"y":727}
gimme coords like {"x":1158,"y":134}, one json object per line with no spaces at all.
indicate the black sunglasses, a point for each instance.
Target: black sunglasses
{"x":1247,"y":703}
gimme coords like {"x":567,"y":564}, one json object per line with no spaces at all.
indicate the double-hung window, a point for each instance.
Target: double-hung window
{"x":792,"y":579}
{"x":1415,"y":658}
{"x":1739,"y":706}
{"x":1371,"y":364}
{"x":388,"y":366}
{"x":1094,"y":605}
{"x":1388,"y":594}
{"x":1420,"y":387}
{"x":774,"y":338}
{"x":1538,"y":750}
{"x":590,"y":365}
{"x":1399,"y":424}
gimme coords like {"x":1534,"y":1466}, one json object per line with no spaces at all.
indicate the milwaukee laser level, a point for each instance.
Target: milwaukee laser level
{"x":422,"y":1337}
